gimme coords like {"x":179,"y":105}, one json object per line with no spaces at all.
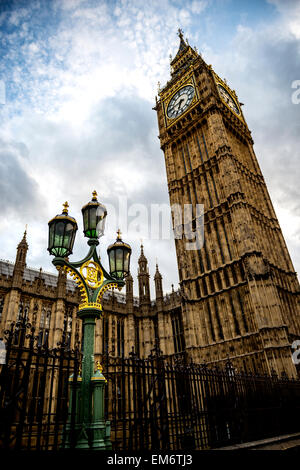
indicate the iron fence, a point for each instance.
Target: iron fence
{"x":34,"y":391}
{"x":158,"y":403}
{"x":166,"y":404}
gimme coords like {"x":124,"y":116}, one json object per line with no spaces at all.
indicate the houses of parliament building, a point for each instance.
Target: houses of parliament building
{"x":239,"y":293}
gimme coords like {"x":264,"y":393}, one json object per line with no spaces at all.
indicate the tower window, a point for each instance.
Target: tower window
{"x":211,"y":283}
{"x":178,"y":337}
{"x":221,"y":334}
{"x":211,"y":323}
{"x":226,"y":278}
{"x":204,"y":287}
{"x":198,"y":290}
{"x":236,"y":324}
{"x":219,"y":281}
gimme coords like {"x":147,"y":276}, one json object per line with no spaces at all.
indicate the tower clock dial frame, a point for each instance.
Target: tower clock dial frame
{"x":179,"y":101}
{"x":228,"y":97}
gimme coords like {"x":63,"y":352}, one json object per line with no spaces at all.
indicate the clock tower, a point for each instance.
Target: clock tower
{"x":240,"y":293}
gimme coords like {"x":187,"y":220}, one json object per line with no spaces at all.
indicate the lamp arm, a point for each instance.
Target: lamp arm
{"x":77,"y":264}
{"x":72,"y":266}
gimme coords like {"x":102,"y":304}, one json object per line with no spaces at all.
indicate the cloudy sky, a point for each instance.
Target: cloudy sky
{"x":80,"y":79}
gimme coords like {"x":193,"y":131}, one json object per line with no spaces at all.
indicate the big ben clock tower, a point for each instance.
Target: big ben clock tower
{"x":240,"y":293}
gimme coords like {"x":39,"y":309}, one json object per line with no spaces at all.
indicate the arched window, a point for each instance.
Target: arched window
{"x":48,"y":317}
{"x":20,"y":311}
{"x":43,"y":318}
{"x":44,"y":327}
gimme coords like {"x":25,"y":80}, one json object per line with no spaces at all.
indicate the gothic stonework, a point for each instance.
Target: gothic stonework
{"x":50,"y":302}
{"x":240,"y":291}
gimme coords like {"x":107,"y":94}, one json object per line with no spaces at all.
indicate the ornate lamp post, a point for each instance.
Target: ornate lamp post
{"x":93,"y":280}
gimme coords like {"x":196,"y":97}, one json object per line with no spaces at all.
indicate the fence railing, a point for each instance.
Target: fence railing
{"x":34,"y":391}
{"x":159,"y":403}
{"x":155,"y":403}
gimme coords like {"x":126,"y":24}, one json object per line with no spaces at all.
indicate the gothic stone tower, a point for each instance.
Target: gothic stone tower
{"x":239,"y":290}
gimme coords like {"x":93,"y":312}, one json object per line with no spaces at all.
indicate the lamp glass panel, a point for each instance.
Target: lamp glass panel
{"x":126,"y":261}
{"x":51,"y":235}
{"x":86,"y":219}
{"x":59,"y":234}
{"x":68,"y":235}
{"x":112,"y":261}
{"x":119,"y":259}
{"x":93,"y":223}
{"x":100,"y":220}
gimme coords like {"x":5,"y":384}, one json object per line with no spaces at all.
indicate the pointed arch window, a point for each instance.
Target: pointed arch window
{"x":44,"y":327}
{"x":178,"y":336}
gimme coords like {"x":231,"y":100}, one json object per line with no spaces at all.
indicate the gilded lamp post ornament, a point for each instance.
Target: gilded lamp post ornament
{"x":93,"y":280}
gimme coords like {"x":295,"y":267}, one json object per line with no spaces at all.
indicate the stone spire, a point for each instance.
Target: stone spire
{"x":20,"y":263}
{"x":184,"y":56}
{"x":129,"y":289}
{"x":22,"y":250}
{"x":143,"y":278}
{"x":158,"y":283}
{"x":142,"y":261}
{"x":183,"y":45}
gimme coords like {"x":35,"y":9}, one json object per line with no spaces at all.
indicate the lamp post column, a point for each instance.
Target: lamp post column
{"x":89,"y":322}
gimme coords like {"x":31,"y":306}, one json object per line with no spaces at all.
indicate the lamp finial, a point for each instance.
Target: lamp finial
{"x":119,"y":234}
{"x":65,"y":208}
{"x":99,"y":366}
{"x":94,"y":195}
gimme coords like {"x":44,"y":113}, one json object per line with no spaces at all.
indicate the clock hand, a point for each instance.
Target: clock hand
{"x":179,"y":104}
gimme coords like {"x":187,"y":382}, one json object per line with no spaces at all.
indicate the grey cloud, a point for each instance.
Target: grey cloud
{"x":18,"y":191}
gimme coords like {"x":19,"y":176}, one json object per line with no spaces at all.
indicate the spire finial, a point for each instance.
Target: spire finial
{"x":25,"y":233}
{"x":119,"y":234}
{"x":65,"y":208}
{"x":94,"y":195}
{"x":180,"y":34}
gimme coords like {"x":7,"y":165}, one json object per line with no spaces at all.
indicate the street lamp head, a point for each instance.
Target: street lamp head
{"x":62,"y":231}
{"x":94,"y":214}
{"x":119,"y":258}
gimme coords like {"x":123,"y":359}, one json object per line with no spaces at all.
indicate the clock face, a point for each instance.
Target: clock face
{"x":180,"y":101}
{"x":228,"y":99}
